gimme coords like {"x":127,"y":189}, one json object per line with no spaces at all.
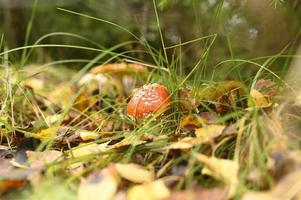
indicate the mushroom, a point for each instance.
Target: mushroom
{"x":122,"y":75}
{"x":147,"y":100}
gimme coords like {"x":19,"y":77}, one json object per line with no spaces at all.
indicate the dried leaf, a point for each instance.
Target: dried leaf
{"x":62,"y":95}
{"x":196,"y":121}
{"x":87,"y":149}
{"x":47,"y":134}
{"x":185,"y":143}
{"x":221,"y":169}
{"x":190,"y":121}
{"x":135,"y":173}
{"x":266,"y":87}
{"x":88,"y":135}
{"x":209,"y":132}
{"x":259,"y":100}
{"x":200,"y":194}
{"x":101,"y":184}
{"x":84,"y":101}
{"x":149,"y":191}
{"x":41,"y":159}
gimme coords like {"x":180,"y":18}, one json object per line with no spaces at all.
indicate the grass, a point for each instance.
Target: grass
{"x":25,"y":112}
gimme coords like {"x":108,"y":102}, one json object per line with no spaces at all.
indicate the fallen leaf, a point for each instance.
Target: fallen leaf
{"x":149,"y":191}
{"x":62,"y":95}
{"x":266,"y":87}
{"x":88,"y":135}
{"x":87,"y":149}
{"x":41,"y":159}
{"x":259,"y":100}
{"x":200,"y":194}
{"x":100,"y":184}
{"x":184,"y":143}
{"x":84,"y":101}
{"x":221,"y":169}
{"x":209,"y":132}
{"x":130,"y":140}
{"x":133,"y":172}
{"x":198,"y":120}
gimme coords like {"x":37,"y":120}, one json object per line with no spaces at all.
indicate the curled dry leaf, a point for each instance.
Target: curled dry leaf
{"x":101,"y":184}
{"x":222,"y":169}
{"x":155,"y":190}
{"x":133,"y":172}
{"x":88,"y":135}
{"x":259,"y":100}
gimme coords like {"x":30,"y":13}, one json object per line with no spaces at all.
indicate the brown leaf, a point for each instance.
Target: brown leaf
{"x":200,"y":194}
{"x":100,"y":184}
{"x":266,"y":87}
{"x":41,"y":159}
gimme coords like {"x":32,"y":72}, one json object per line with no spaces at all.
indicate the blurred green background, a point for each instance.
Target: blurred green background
{"x":245,"y":29}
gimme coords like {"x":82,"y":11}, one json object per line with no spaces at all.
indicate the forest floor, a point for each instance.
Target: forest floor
{"x":71,"y":135}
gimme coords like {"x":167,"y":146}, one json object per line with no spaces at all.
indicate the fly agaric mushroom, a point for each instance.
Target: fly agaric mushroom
{"x":147,"y":100}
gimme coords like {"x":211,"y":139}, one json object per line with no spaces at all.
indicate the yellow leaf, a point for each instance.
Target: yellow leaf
{"x":134,"y":173}
{"x":209,"y":132}
{"x":84,"y":101}
{"x":102,"y":184}
{"x":149,"y":191}
{"x":185,"y":143}
{"x":190,"y":120}
{"x":259,"y":100}
{"x":88,"y":135}
{"x":62,"y":95}
{"x":221,"y":169}
{"x":47,"y":134}
{"x":87,"y":149}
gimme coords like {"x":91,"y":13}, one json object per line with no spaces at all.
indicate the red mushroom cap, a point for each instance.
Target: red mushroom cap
{"x":147,"y":100}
